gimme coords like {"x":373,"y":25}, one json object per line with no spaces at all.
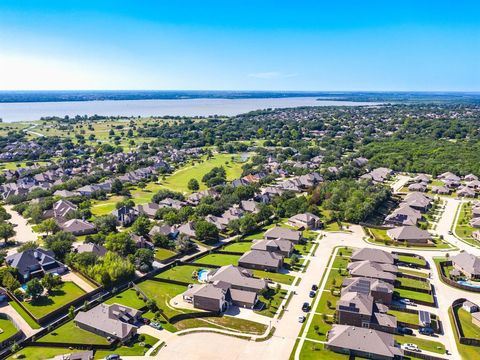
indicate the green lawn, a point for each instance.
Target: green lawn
{"x":413,"y":295}
{"x":41,"y":353}
{"x":162,"y":254}
{"x":466,"y":351}
{"x":271,"y":302}
{"x":71,"y":334}
{"x":470,"y":330}
{"x":335,"y":279}
{"x":319,"y":328}
{"x":30,"y":321}
{"x":323,"y":307}
{"x":46,"y":304}
{"x":133,"y":349}
{"x":219,"y":259}
{"x":105,"y":207}
{"x":427,"y":345}
{"x":340,"y":262}
{"x":128,"y":298}
{"x":178,"y":181}
{"x":180,"y":273}
{"x":314,"y":351}
{"x":7,"y":329}
{"x":379,"y":234}
{"x":239,"y":247}
{"x":463,"y":228}
{"x":303,"y":249}
{"x":404,"y":316}
{"x":162,"y":293}
{"x":417,"y":284}
{"x":412,"y":260}
{"x":276,"y":277}
{"x":415,"y":273}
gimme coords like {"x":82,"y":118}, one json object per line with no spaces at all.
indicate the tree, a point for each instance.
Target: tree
{"x":48,"y":226}
{"x":10,"y":282}
{"x":106,"y":224}
{"x":248,"y":224}
{"x":51,"y":282}
{"x":117,"y":186}
{"x":6,"y":231}
{"x":143,"y":259}
{"x":120,"y":243}
{"x":141,"y":226}
{"x":34,"y":289}
{"x":162,"y":241}
{"x":206,"y":232}
{"x":71,"y":312}
{"x":183,"y":243}
{"x":193,"y":184}
{"x":60,"y":243}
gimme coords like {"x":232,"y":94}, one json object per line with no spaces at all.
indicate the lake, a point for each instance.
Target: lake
{"x":29,"y":111}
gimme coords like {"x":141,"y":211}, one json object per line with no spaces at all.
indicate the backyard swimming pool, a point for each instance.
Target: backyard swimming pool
{"x":202,"y":275}
{"x":469,"y":284}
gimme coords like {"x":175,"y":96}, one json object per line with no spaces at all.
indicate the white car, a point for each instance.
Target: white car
{"x":410,"y":347}
{"x":406,"y":301}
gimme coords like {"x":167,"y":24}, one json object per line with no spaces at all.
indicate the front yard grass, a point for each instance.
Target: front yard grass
{"x":413,"y":295}
{"x":271,"y":301}
{"x":128,"y":298}
{"x":41,"y":353}
{"x":326,"y":299}
{"x":463,"y":228}
{"x":319,"y":328}
{"x":239,"y":247}
{"x":314,"y":351}
{"x":303,"y":249}
{"x":427,"y":345}
{"x":136,"y":348}
{"x":219,"y":259}
{"x":46,"y":304}
{"x":70,"y":334}
{"x":8,"y":329}
{"x":276,"y":277}
{"x":414,"y":273}
{"x":162,"y":293}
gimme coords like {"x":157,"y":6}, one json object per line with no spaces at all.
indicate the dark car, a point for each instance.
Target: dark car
{"x":405,"y":331}
{"x":426,"y":331}
{"x":312,"y":294}
{"x":306,"y":307}
{"x":314,"y":287}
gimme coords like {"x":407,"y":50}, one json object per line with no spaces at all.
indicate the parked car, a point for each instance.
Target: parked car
{"x":405,"y":331}
{"x":314,"y":287}
{"x":306,"y":307}
{"x":406,"y":301}
{"x":312,"y":294}
{"x":301,"y":319}
{"x":450,"y":232}
{"x":156,"y":325}
{"x":410,"y":347}
{"x":113,"y":357}
{"x":426,"y":331}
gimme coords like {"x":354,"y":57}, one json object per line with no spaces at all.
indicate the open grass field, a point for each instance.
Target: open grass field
{"x":8,"y":329}
{"x":71,"y":334}
{"x":178,"y":181}
{"x":136,"y":348}
{"x":219,"y":259}
{"x":105,"y":207}
{"x":128,"y":298}
{"x":427,"y":345}
{"x":45,"y":305}
{"x":240,"y":247}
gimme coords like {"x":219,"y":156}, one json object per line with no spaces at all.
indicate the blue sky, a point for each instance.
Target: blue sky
{"x":240,"y":45}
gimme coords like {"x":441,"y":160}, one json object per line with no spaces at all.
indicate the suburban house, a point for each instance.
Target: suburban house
{"x":35,"y":263}
{"x":378,"y":175}
{"x":471,"y":177}
{"x":359,"y":309}
{"x":418,"y":201}
{"x":422,"y":187}
{"x":381,"y":291}
{"x":465,"y":191}
{"x":125,"y":215}
{"x":284,"y":234}
{"x":470,"y":306}
{"x":239,"y":278}
{"x":95,"y":249}
{"x":141,"y":242}
{"x":376,"y":255}
{"x":422,"y":178}
{"x":467,"y":263}
{"x":79,"y":355}
{"x":114,"y":321}
{"x":187,"y":229}
{"x":60,"y":211}
{"x":363,"y":342}
{"x":410,"y":234}
{"x":78,"y":227}
{"x":305,"y":221}
{"x":149,"y":209}
{"x":250,"y":206}
{"x":167,"y":230}
{"x":373,"y":270}
{"x":172,"y":203}
{"x":403,"y":215}
{"x":279,"y":246}
{"x":261,"y":260}
{"x":441,"y":190}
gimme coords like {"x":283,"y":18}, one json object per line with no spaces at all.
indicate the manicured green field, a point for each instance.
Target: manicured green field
{"x":128,"y":298}
{"x":71,"y":334}
{"x":105,"y":207}
{"x":415,"y":273}
{"x":271,"y":302}
{"x":178,"y":181}
{"x":180,"y":273}
{"x":41,"y":353}
{"x":32,"y":323}
{"x":463,"y":228}
{"x":412,"y":260}
{"x":219,"y":259}
{"x":313,"y":351}
{"x":303,"y":249}
{"x":45,"y":305}
{"x":404,"y":316}
{"x":277,"y":277}
{"x":162,"y":293}
{"x":425,"y":285}
{"x":319,"y":328}
{"x":240,"y":247}
{"x":325,"y":299}
{"x":470,"y":330}
{"x":8,"y":329}
{"x":162,"y":254}
{"x":427,"y":345}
